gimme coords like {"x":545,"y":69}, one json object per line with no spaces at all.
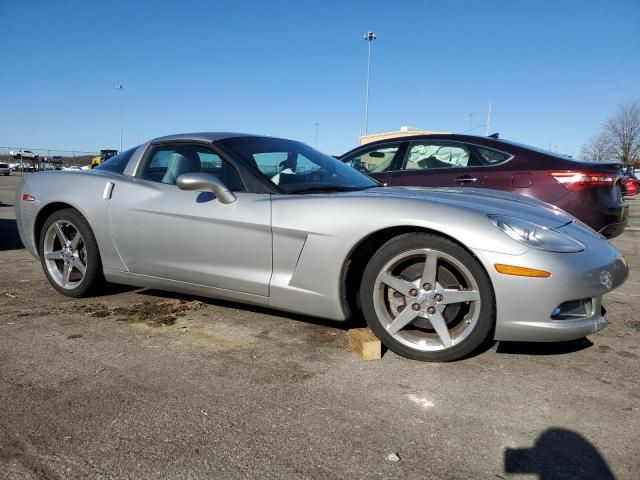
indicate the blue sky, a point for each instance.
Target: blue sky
{"x":554,"y":70}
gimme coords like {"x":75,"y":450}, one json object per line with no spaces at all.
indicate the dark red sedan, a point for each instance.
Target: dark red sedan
{"x":589,"y":191}
{"x":630,"y":186}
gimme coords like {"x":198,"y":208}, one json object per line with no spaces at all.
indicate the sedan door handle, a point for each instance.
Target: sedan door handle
{"x":466,"y":179}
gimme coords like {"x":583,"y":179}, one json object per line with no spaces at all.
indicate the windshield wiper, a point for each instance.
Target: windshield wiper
{"x":329,"y":188}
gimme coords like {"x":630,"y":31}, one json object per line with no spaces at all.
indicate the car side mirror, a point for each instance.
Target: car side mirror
{"x":208,"y":183}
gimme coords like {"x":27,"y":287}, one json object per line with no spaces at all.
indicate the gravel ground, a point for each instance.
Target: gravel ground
{"x":101,"y":388}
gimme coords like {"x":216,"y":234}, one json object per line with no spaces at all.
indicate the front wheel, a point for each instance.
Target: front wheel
{"x":69,"y":254}
{"x":427,"y":298}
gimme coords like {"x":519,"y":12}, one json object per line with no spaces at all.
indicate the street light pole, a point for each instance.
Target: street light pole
{"x":121,"y":88}
{"x":369,"y":37}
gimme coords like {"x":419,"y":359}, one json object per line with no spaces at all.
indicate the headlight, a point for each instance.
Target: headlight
{"x":536,"y":236}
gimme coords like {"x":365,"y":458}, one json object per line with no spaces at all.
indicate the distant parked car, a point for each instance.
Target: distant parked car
{"x":589,"y":191}
{"x":23,"y":154}
{"x":21,"y":167}
{"x":630,"y":185}
{"x":5,"y":169}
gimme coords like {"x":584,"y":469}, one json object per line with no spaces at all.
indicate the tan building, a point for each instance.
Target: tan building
{"x":404,"y":131}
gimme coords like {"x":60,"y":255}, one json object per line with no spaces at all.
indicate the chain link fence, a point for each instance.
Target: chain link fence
{"x":26,"y":159}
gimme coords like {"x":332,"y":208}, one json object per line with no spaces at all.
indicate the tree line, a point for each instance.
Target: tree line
{"x":619,"y":138}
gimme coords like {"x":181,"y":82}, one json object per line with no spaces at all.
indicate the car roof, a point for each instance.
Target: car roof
{"x":436,"y":136}
{"x":201,"y":136}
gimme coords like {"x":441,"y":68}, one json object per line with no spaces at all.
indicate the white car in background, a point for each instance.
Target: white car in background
{"x":23,"y":154}
{"x":20,"y":167}
{"x":5,"y":169}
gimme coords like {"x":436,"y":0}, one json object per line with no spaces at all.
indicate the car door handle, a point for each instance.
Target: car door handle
{"x":108,"y":190}
{"x":466,"y":179}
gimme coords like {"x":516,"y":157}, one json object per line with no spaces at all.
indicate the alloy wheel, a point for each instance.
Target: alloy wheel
{"x":427,"y":299}
{"x":65,"y":254}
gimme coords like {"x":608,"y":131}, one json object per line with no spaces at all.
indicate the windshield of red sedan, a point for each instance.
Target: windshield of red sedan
{"x":295,"y":167}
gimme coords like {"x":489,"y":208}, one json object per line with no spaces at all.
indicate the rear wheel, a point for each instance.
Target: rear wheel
{"x":427,"y":298}
{"x":69,"y":254}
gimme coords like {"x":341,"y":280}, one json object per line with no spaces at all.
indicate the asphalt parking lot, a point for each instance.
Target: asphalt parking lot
{"x":144,"y":384}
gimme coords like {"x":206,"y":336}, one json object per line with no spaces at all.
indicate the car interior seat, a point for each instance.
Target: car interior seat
{"x":433,"y":162}
{"x":179,"y":164}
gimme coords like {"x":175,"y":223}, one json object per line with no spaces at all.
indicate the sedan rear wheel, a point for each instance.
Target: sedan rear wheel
{"x":427,"y":298}
{"x":69,"y":253}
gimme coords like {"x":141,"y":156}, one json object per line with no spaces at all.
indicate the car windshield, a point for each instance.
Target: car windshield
{"x":295,"y":167}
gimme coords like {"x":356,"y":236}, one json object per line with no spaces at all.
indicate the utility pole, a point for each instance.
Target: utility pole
{"x":369,"y":37}
{"x":121,"y":88}
{"x":489,"y":119}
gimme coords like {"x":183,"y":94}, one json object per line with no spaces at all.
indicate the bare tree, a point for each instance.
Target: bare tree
{"x":598,"y":149}
{"x":623,"y":131}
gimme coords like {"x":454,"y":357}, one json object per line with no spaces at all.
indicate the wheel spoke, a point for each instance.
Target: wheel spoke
{"x":78,"y":265}
{"x":61,"y":236}
{"x":57,"y":255}
{"x":401,"y":321}
{"x":459,"y":296}
{"x":440,"y":326}
{"x":66,"y":272}
{"x":76,"y":241}
{"x":430,"y":272}
{"x":399,"y":285}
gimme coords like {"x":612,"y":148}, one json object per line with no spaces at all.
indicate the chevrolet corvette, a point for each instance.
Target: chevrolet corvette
{"x":436,"y":272}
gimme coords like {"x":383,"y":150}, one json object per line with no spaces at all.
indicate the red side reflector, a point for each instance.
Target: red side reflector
{"x":28,"y":198}
{"x":578,"y":180}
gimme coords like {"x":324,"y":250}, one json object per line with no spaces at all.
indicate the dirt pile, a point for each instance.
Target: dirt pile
{"x":154,"y":313}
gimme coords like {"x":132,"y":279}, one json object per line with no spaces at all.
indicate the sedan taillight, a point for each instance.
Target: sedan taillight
{"x":574,"y":181}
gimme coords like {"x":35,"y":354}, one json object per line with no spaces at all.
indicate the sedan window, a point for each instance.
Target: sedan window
{"x":434,"y":154}
{"x":492,"y":157}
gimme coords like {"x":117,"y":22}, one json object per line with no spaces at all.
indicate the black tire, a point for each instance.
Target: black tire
{"x":483,"y":329}
{"x":93,"y":278}
{"x":6,"y":174}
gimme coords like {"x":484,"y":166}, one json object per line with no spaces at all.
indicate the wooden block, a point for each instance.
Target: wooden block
{"x":365,"y":344}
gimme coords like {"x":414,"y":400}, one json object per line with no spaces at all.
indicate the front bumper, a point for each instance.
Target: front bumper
{"x":524,"y":305}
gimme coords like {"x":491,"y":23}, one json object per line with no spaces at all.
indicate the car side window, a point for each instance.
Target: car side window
{"x":165,"y":163}
{"x":492,"y":157}
{"x":435,"y":154}
{"x":374,"y":161}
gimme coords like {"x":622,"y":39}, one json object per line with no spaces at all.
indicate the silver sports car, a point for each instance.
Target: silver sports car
{"x":266,"y":221}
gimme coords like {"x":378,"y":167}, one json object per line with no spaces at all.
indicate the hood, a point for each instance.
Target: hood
{"x":483,"y":200}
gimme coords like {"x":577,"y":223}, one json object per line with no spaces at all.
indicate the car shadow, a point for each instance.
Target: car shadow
{"x":544,"y":348}
{"x":558,"y":453}
{"x":355,"y":322}
{"x":9,"y":237}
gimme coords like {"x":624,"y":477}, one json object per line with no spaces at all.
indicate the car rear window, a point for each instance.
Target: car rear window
{"x":118,"y":163}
